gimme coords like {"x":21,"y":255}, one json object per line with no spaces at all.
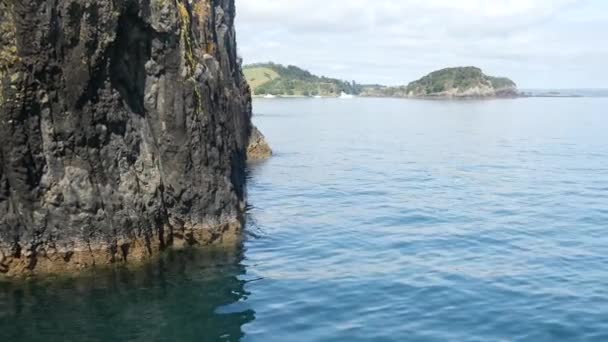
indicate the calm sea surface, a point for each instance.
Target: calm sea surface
{"x":378,"y":220}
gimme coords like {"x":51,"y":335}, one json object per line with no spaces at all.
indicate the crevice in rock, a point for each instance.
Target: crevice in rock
{"x":124,"y":248}
{"x":131,"y":51}
{"x":67,"y":256}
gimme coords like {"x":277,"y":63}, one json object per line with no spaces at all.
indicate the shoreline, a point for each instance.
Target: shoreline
{"x":431,"y":98}
{"x":184,"y":256}
{"x":292,"y":97}
{"x":125,"y":252}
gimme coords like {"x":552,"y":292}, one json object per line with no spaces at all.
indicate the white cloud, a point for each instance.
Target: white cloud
{"x":395,"y":41}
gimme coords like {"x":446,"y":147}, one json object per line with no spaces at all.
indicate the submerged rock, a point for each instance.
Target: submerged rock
{"x":124,"y":127}
{"x":258,"y":148}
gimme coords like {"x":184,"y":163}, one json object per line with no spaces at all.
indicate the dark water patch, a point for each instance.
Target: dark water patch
{"x":175,"y":298}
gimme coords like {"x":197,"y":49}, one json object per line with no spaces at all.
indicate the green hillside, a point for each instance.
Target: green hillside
{"x":257,"y":76}
{"x":449,"y":82}
{"x":276,"y":79}
{"x":460,"y":81}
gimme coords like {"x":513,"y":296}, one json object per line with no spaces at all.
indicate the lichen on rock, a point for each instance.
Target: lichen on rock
{"x":123,"y":131}
{"x":8,"y":46}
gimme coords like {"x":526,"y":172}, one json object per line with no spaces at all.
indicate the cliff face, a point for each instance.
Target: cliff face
{"x":123,"y":130}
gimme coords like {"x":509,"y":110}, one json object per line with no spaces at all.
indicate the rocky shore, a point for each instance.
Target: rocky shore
{"x":124,"y":129}
{"x":258,"y":148}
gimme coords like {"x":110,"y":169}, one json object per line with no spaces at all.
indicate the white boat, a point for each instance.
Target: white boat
{"x":344,"y":95}
{"x":269,"y":96}
{"x":318,"y":96}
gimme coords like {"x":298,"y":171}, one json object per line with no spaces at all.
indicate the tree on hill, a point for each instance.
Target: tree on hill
{"x":293,"y":80}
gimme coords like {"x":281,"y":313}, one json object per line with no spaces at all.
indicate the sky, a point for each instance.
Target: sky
{"x":536,"y":43}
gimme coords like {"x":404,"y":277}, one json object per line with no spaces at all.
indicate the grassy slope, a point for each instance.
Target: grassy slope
{"x":258,"y":76}
{"x":276,"y":79}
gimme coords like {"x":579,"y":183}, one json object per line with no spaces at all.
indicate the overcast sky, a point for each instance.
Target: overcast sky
{"x":537,"y":43}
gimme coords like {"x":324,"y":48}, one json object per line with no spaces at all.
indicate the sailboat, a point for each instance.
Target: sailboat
{"x":269,"y":96}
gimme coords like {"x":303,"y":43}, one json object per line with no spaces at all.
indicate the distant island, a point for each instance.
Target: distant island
{"x":270,"y":79}
{"x":276,"y":79}
{"x":459,"y":82}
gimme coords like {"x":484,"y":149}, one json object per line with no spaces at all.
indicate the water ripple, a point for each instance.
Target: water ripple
{"x":398,"y":221}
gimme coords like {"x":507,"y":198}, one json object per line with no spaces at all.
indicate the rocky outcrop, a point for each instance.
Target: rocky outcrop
{"x":258,"y":148}
{"x":124,"y":128}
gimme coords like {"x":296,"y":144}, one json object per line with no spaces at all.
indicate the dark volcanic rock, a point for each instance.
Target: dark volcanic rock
{"x":124,"y":126}
{"x":258,"y":148}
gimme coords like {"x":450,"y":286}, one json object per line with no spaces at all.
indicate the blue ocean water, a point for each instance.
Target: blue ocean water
{"x":379,"y":220}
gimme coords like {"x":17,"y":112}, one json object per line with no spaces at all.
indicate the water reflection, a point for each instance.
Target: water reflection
{"x":186,"y":296}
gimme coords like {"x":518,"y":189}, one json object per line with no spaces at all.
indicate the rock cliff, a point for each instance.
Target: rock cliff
{"x":124,"y":127}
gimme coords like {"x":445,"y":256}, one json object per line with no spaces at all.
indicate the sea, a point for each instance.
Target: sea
{"x":377,"y":220}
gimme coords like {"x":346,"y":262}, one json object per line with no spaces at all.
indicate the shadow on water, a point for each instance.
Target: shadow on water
{"x":185,"y":296}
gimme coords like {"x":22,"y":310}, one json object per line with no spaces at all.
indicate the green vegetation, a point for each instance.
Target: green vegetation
{"x":384,"y":91}
{"x":449,"y":82}
{"x":257,"y":76}
{"x":501,"y":82}
{"x":458,"y":81}
{"x":276,"y":79}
